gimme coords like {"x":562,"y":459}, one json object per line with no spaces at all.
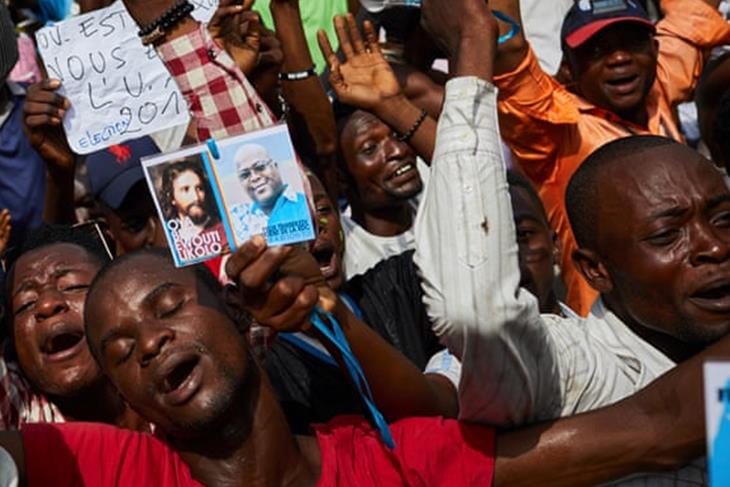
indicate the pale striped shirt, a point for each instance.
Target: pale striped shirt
{"x":518,"y":366}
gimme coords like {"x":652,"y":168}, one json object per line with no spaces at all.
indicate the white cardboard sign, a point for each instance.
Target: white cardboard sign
{"x":204,"y":10}
{"x":118,"y":88}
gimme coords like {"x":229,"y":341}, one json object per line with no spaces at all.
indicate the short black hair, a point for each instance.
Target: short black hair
{"x":516,"y":179}
{"x":581,"y":196}
{"x":58,"y":234}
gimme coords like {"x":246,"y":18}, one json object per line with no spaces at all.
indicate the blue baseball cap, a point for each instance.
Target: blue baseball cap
{"x":113,"y":171}
{"x":588,"y":17}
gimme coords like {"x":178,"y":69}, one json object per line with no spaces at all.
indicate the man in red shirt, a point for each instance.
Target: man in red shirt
{"x":166,"y":339}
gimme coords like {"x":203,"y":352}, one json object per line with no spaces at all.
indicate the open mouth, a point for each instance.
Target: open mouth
{"x":325,"y":257}
{"x":62,"y":343}
{"x":402,"y":171}
{"x":179,"y":375}
{"x":714,"y":297}
{"x":180,"y":378}
{"x":624,"y":84}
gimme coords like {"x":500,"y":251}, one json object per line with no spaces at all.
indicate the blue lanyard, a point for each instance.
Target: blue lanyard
{"x":336,"y":336}
{"x":514,"y":26}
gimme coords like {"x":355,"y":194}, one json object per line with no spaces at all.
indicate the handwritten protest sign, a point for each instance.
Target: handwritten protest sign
{"x":118,"y":88}
{"x":204,"y":10}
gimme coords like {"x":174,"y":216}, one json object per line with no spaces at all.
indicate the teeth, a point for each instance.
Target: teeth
{"x":404,"y":169}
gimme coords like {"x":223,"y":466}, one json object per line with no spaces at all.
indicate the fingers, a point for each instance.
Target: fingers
{"x":355,"y":36}
{"x":43,"y":106}
{"x":250,"y":268}
{"x":284,"y":305}
{"x":372,"y":37}
{"x":222,"y":12}
{"x":343,"y":37}
{"x":288,"y":305}
{"x":296,"y":316}
{"x":331,"y":57}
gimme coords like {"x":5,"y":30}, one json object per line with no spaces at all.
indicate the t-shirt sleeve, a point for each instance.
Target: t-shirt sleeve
{"x":82,"y":454}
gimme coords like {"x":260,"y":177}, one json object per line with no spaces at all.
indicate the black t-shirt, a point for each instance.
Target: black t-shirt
{"x":389,"y":298}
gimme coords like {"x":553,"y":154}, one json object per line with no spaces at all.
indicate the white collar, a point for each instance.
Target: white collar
{"x":621,"y":340}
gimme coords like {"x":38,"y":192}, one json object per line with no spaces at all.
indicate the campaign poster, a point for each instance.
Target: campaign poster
{"x":185,"y":200}
{"x":261,"y":188}
{"x":717,"y":417}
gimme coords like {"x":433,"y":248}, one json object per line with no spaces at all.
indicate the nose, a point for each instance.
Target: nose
{"x":618,"y":57}
{"x":50,"y":303}
{"x":707,"y":246}
{"x":151,"y":342}
{"x":395,"y":149}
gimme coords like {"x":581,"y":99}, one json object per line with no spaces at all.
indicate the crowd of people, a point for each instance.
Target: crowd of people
{"x":521,"y":259}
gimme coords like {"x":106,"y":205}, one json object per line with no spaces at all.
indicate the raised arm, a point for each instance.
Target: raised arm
{"x":511,"y":53}
{"x":466,"y":245}
{"x":42,"y":114}
{"x":399,"y":388}
{"x":366,"y":81}
{"x":306,"y":97}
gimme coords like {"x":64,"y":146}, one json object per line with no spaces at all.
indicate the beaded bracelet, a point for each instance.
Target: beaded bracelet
{"x":411,"y":132}
{"x":298,"y":75}
{"x":156,"y":30}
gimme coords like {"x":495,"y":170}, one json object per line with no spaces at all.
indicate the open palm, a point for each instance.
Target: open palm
{"x":364,"y":79}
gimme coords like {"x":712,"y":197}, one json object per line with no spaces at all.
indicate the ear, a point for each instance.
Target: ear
{"x":593,"y":270}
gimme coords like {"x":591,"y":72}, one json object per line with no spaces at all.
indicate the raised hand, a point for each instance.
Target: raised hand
{"x":43,"y":113}
{"x":365,"y":79}
{"x":279,"y":286}
{"x":5,"y":228}
{"x":238,"y":30}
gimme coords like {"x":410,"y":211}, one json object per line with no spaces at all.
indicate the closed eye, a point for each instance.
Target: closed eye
{"x":25,"y":306}
{"x":169,"y":312}
{"x":663,"y":237}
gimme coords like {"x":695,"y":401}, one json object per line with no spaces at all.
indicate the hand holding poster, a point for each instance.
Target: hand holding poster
{"x":118,"y":88}
{"x":208,"y":205}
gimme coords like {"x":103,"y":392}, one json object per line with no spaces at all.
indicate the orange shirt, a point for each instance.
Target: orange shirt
{"x":551,"y":130}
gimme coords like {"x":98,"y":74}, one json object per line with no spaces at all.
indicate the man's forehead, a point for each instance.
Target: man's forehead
{"x":51,"y":257}
{"x":645,"y":185}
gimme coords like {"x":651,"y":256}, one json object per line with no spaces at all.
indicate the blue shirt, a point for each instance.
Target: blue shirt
{"x":289,"y":221}
{"x":22,"y":170}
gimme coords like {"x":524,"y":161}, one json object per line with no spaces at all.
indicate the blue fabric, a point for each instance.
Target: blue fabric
{"x":719,"y":463}
{"x":280,"y":226}
{"x":22,"y":174}
{"x":53,"y":10}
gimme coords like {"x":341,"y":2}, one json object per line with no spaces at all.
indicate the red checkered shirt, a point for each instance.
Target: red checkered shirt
{"x":19,"y":404}
{"x":222,"y":102}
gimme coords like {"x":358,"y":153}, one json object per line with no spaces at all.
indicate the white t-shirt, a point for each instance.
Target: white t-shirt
{"x":363,"y":250}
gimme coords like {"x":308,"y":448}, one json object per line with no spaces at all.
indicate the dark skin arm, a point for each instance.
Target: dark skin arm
{"x":43,"y":112}
{"x":310,"y":107}
{"x":660,"y":428}
{"x":366,"y":80}
{"x":287,"y":304}
{"x":511,"y":53}
{"x":640,"y":433}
